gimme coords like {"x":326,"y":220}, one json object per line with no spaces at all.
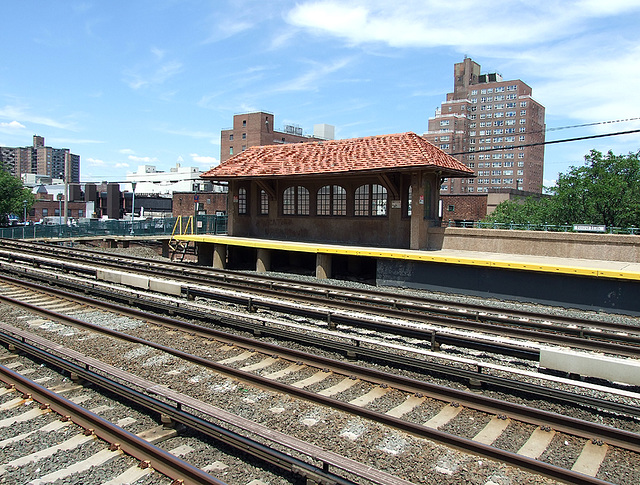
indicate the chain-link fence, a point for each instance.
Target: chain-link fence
{"x":205,"y":224}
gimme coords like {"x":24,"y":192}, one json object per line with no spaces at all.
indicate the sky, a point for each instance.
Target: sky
{"x":153,"y":82}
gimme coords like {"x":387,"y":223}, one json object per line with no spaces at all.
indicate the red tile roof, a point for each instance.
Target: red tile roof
{"x":384,"y":152}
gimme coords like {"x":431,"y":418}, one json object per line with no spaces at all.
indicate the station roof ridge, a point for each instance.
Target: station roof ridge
{"x":399,"y":151}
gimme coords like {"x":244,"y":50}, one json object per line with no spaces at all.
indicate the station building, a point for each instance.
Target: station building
{"x":375,"y":191}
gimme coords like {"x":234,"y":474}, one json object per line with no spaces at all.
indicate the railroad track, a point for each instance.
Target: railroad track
{"x":47,"y":437}
{"x":338,"y":306}
{"x":401,"y":397}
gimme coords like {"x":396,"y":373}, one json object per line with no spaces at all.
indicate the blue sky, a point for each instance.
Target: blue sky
{"x":127,"y":83}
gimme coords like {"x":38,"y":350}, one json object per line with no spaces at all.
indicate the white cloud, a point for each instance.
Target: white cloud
{"x":311,"y":79}
{"x":23,"y":114}
{"x":12,"y":125}
{"x":432,"y":23}
{"x":122,"y":165}
{"x":126,"y":151}
{"x":94,"y":162}
{"x":135,"y":158}
{"x":203,"y":159}
{"x":147,"y":76}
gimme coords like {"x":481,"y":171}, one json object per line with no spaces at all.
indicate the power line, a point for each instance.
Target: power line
{"x":565,"y":140}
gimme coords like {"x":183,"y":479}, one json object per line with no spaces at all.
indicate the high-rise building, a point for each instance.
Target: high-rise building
{"x":41,"y":160}
{"x":257,"y":129}
{"x":495,"y":128}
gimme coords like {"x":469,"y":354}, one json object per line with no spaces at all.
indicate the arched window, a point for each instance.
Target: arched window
{"x":264,"y":203}
{"x":332,"y":201}
{"x":370,"y":200}
{"x":295,"y":201}
{"x":242,"y":200}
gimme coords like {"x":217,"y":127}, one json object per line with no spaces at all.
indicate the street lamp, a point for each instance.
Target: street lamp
{"x":24,"y":203}
{"x":59,"y":215}
{"x":133,"y":203}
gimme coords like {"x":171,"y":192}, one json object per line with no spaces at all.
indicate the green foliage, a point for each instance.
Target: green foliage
{"x":12,"y":196}
{"x":606,"y":190}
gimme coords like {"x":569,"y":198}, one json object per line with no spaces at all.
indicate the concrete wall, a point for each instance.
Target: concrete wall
{"x":607,"y":247}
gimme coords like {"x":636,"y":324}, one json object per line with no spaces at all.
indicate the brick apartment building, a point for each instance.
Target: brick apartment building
{"x":42,"y":160}
{"x":489,"y":124}
{"x":257,"y":129}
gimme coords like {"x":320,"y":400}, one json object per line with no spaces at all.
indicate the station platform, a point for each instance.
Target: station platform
{"x":586,"y":283}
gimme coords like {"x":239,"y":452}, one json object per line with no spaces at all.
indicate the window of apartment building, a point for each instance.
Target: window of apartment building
{"x":471,"y":165}
{"x":489,"y":90}
{"x":523,"y":112}
{"x":523,"y":121}
{"x":520,"y":155}
{"x":500,"y":89}
{"x":496,"y":181}
{"x":472,"y":125}
{"x":513,"y":87}
{"x":498,"y":131}
{"x":474,"y":100}
{"x":244,"y":123}
{"x":471,"y":181}
{"x":471,"y":157}
{"x":498,"y":98}
{"x":471,"y":189}
{"x":512,"y":96}
{"x":521,"y":138}
{"x":510,"y":130}
{"x":497,"y":139}
{"x":242,"y":200}
{"x":474,"y":92}
{"x":370,"y":199}
{"x":444,"y":138}
{"x":523,"y":104}
{"x":520,"y":172}
{"x":510,"y":122}
{"x":230,"y":150}
{"x":45,"y":212}
{"x":451,"y":208}
{"x":244,"y":136}
{"x":295,"y":201}
{"x":472,"y":133}
{"x":508,"y":181}
{"x":520,"y":181}
{"x":509,"y":138}
{"x":507,"y":172}
{"x":483,"y":91}
{"x":444,"y":187}
{"x":510,"y":114}
{"x":472,"y":141}
{"x":472,"y":117}
{"x":264,"y":203}
{"x":499,"y":115}
{"x":511,"y":105}
{"x":244,"y":147}
{"x":496,"y":172}
{"x":231,"y":137}
{"x":508,"y":164}
{"x":332,"y":201}
{"x":499,"y":106}
{"x":444,"y":146}
{"x":444,"y":122}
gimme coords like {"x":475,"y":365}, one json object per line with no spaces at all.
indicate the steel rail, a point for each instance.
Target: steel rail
{"x":583,"y":338}
{"x":382,"y":297}
{"x":621,"y":438}
{"x":163,"y":461}
{"x":350,"y":349}
{"x":235,"y":440}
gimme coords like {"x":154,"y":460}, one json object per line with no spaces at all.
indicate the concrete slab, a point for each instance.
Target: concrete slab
{"x":492,"y":430}
{"x":284,"y":372}
{"x":537,"y":443}
{"x":315,"y":378}
{"x":445,"y":415}
{"x":158,"y":434}
{"x":369,"y":397}
{"x":343,"y":385}
{"x":585,"y":364}
{"x":259,"y":365}
{"x":408,"y":405}
{"x":590,"y":459}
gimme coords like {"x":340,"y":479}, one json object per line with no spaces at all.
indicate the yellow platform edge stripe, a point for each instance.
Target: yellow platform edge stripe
{"x":392,"y":254}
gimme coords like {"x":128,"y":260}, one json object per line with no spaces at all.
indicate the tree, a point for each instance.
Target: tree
{"x":606,"y":190}
{"x":12,"y":196}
